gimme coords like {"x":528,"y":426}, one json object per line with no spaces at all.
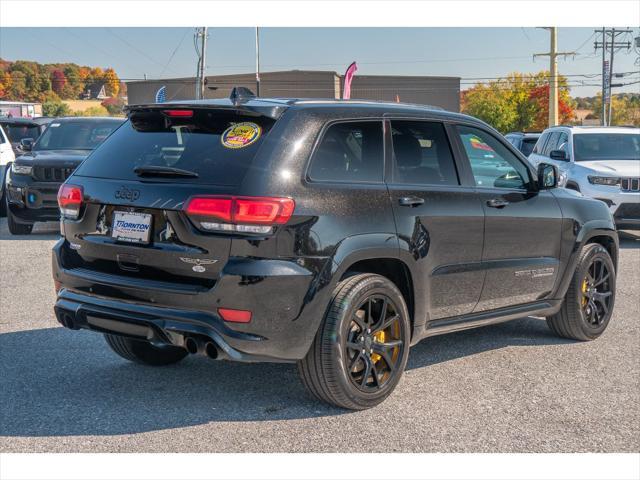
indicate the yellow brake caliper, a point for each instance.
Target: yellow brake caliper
{"x":378,"y":337}
{"x":584,"y":292}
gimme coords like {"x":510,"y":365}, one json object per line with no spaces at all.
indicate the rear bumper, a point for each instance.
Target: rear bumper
{"x":281,"y":296}
{"x":155,"y":324}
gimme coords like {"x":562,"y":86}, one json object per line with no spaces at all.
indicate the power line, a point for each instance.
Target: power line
{"x":134,"y":48}
{"x":184,"y":35}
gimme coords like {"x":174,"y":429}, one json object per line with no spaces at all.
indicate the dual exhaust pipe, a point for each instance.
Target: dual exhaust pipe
{"x":196,"y":346}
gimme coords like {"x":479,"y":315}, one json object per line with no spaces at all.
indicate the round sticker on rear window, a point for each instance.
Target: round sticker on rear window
{"x":241,"y":135}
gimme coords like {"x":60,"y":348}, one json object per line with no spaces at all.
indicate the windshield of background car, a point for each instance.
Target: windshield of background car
{"x":17,"y":132}
{"x":217,"y":145}
{"x":606,"y":146}
{"x":75,"y":135}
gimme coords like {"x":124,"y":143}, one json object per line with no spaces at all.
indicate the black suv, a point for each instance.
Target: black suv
{"x":334,"y":234}
{"x":23,"y":131}
{"x":523,"y":141}
{"x":35,"y":177}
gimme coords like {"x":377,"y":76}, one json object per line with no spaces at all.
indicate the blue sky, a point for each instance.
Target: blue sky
{"x":463,"y":52}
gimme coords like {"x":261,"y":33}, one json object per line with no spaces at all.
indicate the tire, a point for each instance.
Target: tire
{"x":16,"y":228}
{"x":3,"y":203}
{"x":335,"y":372}
{"x":143,"y":352}
{"x":575,"y":320}
{"x":3,"y":197}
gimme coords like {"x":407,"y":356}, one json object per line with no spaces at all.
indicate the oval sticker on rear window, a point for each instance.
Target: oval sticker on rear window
{"x":241,"y":135}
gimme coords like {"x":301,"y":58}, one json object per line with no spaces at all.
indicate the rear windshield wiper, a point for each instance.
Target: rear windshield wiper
{"x":160,"y":171}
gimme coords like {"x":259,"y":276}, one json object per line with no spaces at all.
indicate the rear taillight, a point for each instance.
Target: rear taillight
{"x":70,"y":200}
{"x":240,"y":214}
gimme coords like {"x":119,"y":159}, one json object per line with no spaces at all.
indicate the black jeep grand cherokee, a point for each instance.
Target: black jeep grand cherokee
{"x":35,"y":177}
{"x":334,"y":234}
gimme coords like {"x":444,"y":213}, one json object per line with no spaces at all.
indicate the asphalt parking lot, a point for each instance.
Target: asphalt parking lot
{"x":512,"y":387}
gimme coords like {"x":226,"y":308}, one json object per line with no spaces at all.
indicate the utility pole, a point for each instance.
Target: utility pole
{"x":609,"y":42}
{"x":257,"y":63}
{"x":553,"y":54}
{"x":201,"y":35}
{"x":603,"y":121}
{"x":613,"y":36}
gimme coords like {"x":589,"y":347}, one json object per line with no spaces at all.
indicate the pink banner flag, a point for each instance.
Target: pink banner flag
{"x":348,"y":76}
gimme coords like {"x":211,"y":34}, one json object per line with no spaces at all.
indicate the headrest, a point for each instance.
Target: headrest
{"x":408,"y":151}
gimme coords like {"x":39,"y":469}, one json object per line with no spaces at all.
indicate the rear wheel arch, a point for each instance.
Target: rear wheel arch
{"x":391,"y":268}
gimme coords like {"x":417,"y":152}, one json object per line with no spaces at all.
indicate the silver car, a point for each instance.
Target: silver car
{"x":598,"y":162}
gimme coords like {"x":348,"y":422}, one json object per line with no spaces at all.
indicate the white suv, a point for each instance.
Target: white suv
{"x":599,"y":162}
{"x":7,"y":157}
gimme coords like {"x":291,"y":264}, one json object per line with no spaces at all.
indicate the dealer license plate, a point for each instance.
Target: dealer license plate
{"x":134,"y":227}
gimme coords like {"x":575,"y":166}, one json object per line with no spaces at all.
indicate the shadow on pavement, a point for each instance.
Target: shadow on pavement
{"x":41,"y":231}
{"x":629,"y":239}
{"x":58,"y":382}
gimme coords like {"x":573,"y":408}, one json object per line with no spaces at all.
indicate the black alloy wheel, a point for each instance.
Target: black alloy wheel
{"x":596,"y":292}
{"x":374,"y":345}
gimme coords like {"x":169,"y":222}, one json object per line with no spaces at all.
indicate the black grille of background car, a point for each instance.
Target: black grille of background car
{"x":630,"y":184}
{"x":51,"y":174}
{"x":628,"y":210}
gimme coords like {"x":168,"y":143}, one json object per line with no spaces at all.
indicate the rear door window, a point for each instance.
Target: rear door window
{"x":422,"y":154}
{"x":540,"y":144}
{"x":218,"y":146}
{"x":350,"y":152}
{"x":551,"y":144}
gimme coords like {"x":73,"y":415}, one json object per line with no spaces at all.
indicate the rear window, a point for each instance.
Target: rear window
{"x":16,"y":132}
{"x":217,"y":146}
{"x":75,"y":135}
{"x":527,"y":146}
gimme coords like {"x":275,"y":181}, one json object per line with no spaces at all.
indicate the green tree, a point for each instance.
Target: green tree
{"x":55,"y":109}
{"x":98,"y":111}
{"x":516,"y":102}
{"x":624,"y":110}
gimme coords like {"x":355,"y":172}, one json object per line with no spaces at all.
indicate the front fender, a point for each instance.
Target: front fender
{"x":585,"y":234}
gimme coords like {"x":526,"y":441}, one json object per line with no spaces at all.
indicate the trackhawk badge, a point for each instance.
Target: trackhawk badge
{"x":198,"y":263}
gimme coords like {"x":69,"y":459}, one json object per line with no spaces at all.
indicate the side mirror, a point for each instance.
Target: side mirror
{"x":558,"y":155}
{"x":547,"y":176}
{"x":26,"y":144}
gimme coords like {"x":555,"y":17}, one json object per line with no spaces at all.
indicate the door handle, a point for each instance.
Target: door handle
{"x":497,"y":203}
{"x":410,"y":201}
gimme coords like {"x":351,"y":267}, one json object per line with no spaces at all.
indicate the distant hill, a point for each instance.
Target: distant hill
{"x":588,"y":103}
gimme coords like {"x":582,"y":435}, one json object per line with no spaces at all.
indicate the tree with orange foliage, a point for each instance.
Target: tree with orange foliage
{"x":519,"y":102}
{"x":112,"y":82}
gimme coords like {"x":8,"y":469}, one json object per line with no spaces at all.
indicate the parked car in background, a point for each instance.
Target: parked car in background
{"x":334,"y":234}
{"x":23,"y":129}
{"x":6,"y":159}
{"x":34,"y":178}
{"x":523,"y":141}
{"x":599,"y":162}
